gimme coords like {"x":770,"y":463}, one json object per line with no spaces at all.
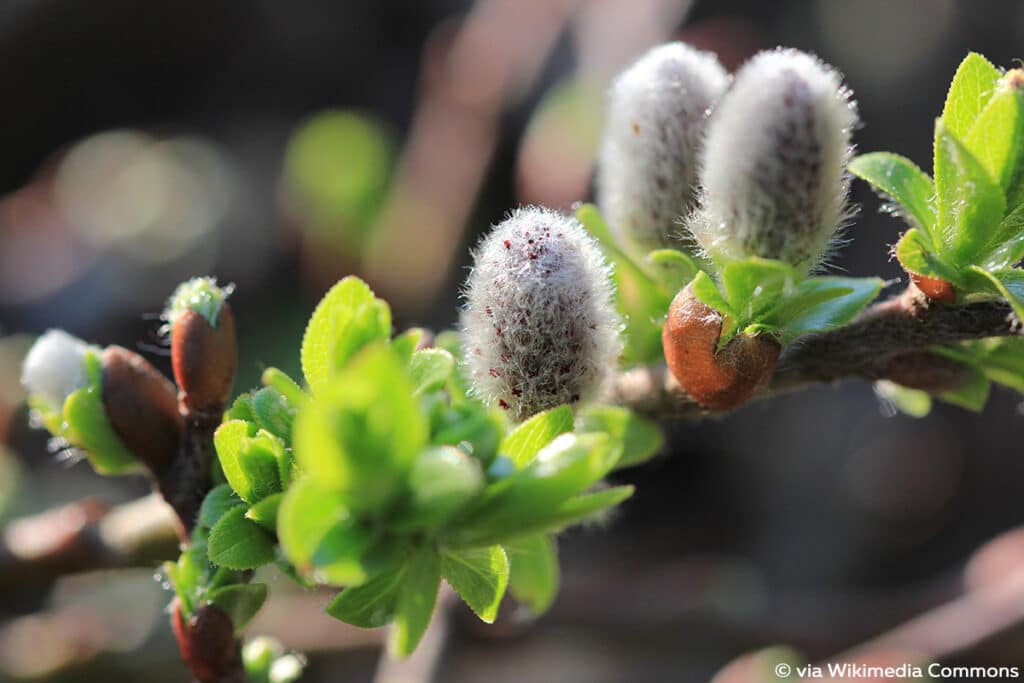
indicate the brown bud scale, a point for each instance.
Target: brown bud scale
{"x":935,"y":288}
{"x":141,"y":405}
{"x":204,"y":359}
{"x":717,"y":379}
{"x":206,"y":642}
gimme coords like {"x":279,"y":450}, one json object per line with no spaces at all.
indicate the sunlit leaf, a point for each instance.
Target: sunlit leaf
{"x":479,"y":576}
{"x":972,"y":87}
{"x":903,"y":181}
{"x":534,"y":571}
{"x":523,"y":443}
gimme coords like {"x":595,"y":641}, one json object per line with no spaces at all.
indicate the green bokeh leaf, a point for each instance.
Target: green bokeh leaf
{"x":264,"y":512}
{"x":441,"y":481}
{"x":217,"y":502}
{"x":87,"y":427}
{"x":415,"y":604}
{"x":903,"y":181}
{"x":240,"y":601}
{"x":1007,"y":283}
{"x":912,"y":402}
{"x":972,"y":87}
{"x":970,"y":204}
{"x":239,"y":543}
{"x":534,"y":572}
{"x":522,"y":444}
{"x":348,"y":318}
{"x":971,"y":396}
{"x":674,"y":268}
{"x":479,"y":576}
{"x":641,"y":439}
{"x":372,"y":604}
{"x":430,"y":369}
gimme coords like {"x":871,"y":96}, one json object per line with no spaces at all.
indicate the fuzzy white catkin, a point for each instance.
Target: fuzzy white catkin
{"x":650,"y":151}
{"x":539,"y":327}
{"x":55,"y":367}
{"x":774,"y":175}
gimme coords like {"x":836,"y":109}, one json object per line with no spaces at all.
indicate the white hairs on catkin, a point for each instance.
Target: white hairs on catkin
{"x":650,"y":151}
{"x":539,"y":327}
{"x":774,"y":175}
{"x":55,"y":367}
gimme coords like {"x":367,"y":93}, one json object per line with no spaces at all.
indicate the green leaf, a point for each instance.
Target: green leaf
{"x":273,"y":413}
{"x":307,"y":514}
{"x":641,"y":439}
{"x":186,"y":575}
{"x":1001,"y":359}
{"x":1009,"y":242}
{"x":404,"y":344}
{"x":823,"y":303}
{"x":442,"y":480}
{"x":87,"y":427}
{"x":754,"y":285}
{"x":970,"y":91}
{"x":286,"y":386}
{"x":1007,"y":283}
{"x":430,"y":369}
{"x":217,"y":502}
{"x":534,"y":572}
{"x":523,"y":443}
{"x":674,"y":268}
{"x":970,"y":204}
{"x":238,"y":543}
{"x":250,"y":463}
{"x":415,"y":604}
{"x":479,"y":576}
{"x":916,"y":254}
{"x":348,"y":318}
{"x":707,"y":292}
{"x":240,"y":601}
{"x":264,"y":512}
{"x":903,"y":181}
{"x":997,"y":137}
{"x":971,"y":396}
{"x":363,"y":432}
{"x":563,"y":468}
{"x":912,"y":402}
{"x":371,"y":604}
{"x":470,"y":422}
{"x":542,"y":520}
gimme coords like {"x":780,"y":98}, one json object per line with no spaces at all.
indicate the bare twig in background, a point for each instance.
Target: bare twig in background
{"x":864,"y":349}
{"x":85,"y":536}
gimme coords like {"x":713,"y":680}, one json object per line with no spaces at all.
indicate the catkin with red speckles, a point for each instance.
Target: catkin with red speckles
{"x":539,"y":328}
{"x":774,"y":163}
{"x":650,"y":151}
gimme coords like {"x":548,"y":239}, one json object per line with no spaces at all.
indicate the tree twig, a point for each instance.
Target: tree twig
{"x":863,"y":349}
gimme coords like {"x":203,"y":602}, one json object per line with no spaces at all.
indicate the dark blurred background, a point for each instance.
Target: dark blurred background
{"x":281,"y":146}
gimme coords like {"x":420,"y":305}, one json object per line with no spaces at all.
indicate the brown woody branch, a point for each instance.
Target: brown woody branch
{"x":869,"y":348}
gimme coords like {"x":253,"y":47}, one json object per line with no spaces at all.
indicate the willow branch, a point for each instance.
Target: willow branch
{"x":864,"y":349}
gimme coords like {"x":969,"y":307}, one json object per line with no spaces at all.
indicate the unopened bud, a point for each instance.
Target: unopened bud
{"x":539,"y":327}
{"x":204,"y":352}
{"x":650,"y":153}
{"x":774,"y":176}
{"x":55,"y":367}
{"x":206,"y":641}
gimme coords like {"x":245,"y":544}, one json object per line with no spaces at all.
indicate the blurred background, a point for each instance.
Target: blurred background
{"x":281,"y":146}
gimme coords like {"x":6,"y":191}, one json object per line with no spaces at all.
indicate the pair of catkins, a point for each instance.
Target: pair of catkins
{"x":727,"y":167}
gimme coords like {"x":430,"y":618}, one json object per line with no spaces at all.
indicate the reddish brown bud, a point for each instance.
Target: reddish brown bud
{"x":141,"y":405}
{"x":206,"y":642}
{"x":718,"y":379}
{"x":935,"y":288}
{"x":927,"y":371}
{"x":204,"y":358}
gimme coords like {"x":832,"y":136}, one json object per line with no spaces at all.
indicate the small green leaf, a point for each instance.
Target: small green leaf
{"x":1007,"y":283}
{"x":441,"y":481}
{"x":273,"y":413}
{"x":479,"y":576}
{"x":1009,"y":242}
{"x":997,"y":137}
{"x":250,"y":463}
{"x":404,"y":344}
{"x":240,"y":601}
{"x":754,"y":286}
{"x":707,"y":292}
{"x":348,"y":318}
{"x":903,"y":181}
{"x":307,"y":513}
{"x":364,"y":430}
{"x":970,"y":91}
{"x":912,"y":402}
{"x":88,"y":428}
{"x":415,"y":604}
{"x":217,"y":502}
{"x":430,"y":369}
{"x":342,"y":557}
{"x":523,"y":443}
{"x":286,"y":386}
{"x":238,"y":543}
{"x":823,"y":303}
{"x":970,"y":204}
{"x":641,"y":438}
{"x":264,"y":512}
{"x":916,"y":254}
{"x":534,"y":572}
{"x":371,"y":604}
{"x":472,"y":423}
{"x":674,"y":268}
{"x":186,"y":575}
{"x":972,"y":396}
